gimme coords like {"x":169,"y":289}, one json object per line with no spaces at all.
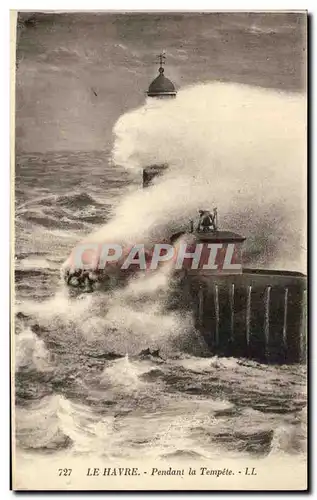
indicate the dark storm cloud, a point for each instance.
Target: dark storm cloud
{"x":65,"y":59}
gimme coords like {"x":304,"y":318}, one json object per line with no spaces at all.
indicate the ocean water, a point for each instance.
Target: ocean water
{"x":113,"y":375}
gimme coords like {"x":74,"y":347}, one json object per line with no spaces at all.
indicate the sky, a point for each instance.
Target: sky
{"x":78,"y":72}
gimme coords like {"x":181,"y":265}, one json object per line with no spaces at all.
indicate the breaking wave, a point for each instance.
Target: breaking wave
{"x":239,"y":148}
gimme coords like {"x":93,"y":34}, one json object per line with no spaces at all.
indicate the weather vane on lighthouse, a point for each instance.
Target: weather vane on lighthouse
{"x":162,"y":58}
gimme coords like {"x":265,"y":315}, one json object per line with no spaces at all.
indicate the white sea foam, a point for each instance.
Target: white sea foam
{"x":239,"y":148}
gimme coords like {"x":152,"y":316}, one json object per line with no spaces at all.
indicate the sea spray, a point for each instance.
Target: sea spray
{"x":124,"y":321}
{"x":239,"y":148}
{"x":31,"y":353}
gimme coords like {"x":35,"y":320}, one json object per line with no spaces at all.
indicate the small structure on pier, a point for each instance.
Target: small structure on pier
{"x":221,"y":250}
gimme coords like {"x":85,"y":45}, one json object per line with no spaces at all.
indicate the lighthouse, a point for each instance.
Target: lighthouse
{"x":160,"y":88}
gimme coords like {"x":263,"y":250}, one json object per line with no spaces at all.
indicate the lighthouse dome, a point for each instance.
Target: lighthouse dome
{"x":161,"y":86}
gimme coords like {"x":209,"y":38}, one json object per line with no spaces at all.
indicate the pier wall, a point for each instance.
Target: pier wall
{"x":260,"y":315}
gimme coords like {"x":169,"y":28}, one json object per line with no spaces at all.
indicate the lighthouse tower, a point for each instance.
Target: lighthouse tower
{"x":160,"y":88}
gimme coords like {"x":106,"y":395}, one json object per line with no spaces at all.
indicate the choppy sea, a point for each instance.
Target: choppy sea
{"x":112,"y":375}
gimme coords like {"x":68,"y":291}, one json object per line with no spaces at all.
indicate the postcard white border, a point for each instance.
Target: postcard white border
{"x":59,"y":5}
